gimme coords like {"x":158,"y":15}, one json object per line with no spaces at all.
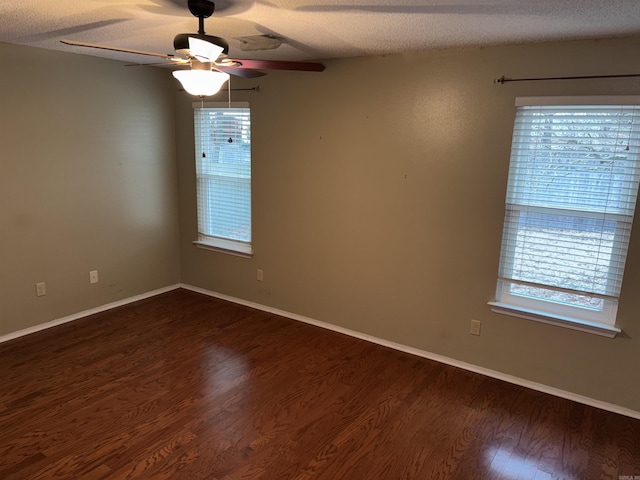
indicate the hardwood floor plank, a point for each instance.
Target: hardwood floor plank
{"x":183,"y":386}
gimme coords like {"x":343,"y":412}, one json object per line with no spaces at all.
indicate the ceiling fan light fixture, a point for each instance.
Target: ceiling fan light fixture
{"x":204,"y":51}
{"x":201,"y":83}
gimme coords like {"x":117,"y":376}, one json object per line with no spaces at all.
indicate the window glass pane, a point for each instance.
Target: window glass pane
{"x":570,"y":252}
{"x":574,"y":159}
{"x":223,"y":169}
{"x":571,"y":194}
{"x":563,"y":298}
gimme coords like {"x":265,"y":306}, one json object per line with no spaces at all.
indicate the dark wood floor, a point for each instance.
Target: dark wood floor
{"x":182,"y":386}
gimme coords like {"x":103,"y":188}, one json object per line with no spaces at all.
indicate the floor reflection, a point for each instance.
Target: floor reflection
{"x":509,"y":465}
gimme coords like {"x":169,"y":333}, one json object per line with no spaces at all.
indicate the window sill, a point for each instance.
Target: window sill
{"x":559,"y":320}
{"x":229,"y":247}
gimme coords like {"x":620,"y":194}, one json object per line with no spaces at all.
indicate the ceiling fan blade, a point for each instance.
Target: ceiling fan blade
{"x":241,"y":72}
{"x":279,"y":65}
{"x":180,"y":63}
{"x":116,"y":49}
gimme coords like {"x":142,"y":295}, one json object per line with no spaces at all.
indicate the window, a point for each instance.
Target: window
{"x":571,"y":194}
{"x":223,"y":176}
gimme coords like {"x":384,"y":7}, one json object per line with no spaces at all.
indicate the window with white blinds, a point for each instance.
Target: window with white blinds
{"x":571,"y":195}
{"x":223,"y":176}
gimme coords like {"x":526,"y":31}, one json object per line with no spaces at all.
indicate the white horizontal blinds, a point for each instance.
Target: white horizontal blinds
{"x":223,"y":171}
{"x":571,"y":195}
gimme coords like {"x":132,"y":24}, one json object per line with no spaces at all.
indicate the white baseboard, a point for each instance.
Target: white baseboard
{"x":85,"y":313}
{"x":431,"y":356}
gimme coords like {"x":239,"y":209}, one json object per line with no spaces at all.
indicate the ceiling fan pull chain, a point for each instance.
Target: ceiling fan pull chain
{"x":204,"y":155}
{"x":229,"y":98}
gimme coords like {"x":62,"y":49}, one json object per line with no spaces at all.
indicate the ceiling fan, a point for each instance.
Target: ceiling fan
{"x":207,"y":55}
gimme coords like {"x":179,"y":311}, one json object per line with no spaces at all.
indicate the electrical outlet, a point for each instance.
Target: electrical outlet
{"x":475,"y":327}
{"x":259,"y":275}
{"x":41,"y":289}
{"x":93,"y":276}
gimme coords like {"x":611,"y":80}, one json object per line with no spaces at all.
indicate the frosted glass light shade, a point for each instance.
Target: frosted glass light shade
{"x":201,"y":83}
{"x":204,"y":51}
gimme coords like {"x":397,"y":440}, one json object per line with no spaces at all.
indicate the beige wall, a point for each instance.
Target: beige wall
{"x":87,"y":181}
{"x":378,"y":205}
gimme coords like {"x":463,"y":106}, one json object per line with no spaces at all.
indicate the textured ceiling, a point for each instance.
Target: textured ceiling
{"x":312,"y":30}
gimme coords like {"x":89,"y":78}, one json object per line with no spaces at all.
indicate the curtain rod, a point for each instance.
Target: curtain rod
{"x":502,"y":80}
{"x":254,"y":89}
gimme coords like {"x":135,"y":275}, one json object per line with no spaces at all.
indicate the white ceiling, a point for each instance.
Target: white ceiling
{"x":314,"y":30}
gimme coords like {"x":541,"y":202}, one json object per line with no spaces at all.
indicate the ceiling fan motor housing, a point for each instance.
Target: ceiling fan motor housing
{"x":201,"y":8}
{"x":181,"y":41}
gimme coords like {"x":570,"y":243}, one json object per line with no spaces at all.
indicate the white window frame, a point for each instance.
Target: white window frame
{"x":211,"y":242}
{"x":592,"y":321}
